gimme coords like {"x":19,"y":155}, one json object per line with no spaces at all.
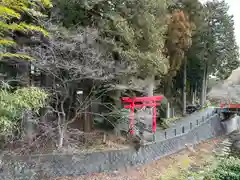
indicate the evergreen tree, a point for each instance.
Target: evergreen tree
{"x":133,"y":30}
{"x":191,"y":11}
{"x":221,"y":51}
{"x":178,"y":41}
{"x":225,"y":51}
{"x":214,"y":49}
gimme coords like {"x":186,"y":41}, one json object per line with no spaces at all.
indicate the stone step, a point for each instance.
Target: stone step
{"x":226,"y":150}
{"x":227,"y":143}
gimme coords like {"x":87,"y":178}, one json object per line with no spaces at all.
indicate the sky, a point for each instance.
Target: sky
{"x":235,"y":11}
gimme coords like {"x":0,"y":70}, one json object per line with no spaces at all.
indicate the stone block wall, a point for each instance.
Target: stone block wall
{"x":52,"y":165}
{"x":186,"y":124}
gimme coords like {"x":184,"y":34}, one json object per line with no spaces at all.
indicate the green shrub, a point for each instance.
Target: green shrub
{"x":13,"y":104}
{"x":227,"y":169}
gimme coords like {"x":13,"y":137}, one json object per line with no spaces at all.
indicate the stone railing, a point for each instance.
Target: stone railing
{"x":174,"y":139}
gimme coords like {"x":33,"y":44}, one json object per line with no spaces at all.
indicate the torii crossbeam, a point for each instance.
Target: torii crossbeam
{"x":151,"y":101}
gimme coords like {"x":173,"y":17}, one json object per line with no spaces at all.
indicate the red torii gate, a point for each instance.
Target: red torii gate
{"x":230,"y":106}
{"x":146,"y":101}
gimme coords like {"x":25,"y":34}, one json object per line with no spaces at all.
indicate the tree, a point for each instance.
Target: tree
{"x":74,"y":61}
{"x":178,"y":41}
{"x":139,"y":37}
{"x":14,"y":18}
{"x":195,"y":53}
{"x":221,"y":51}
{"x":134,"y":29}
{"x":226,"y":47}
{"x":211,"y":49}
{"x":134,"y":34}
{"x":20,"y":21}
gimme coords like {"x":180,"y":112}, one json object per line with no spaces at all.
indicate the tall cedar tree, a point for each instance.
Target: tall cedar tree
{"x":178,"y":42}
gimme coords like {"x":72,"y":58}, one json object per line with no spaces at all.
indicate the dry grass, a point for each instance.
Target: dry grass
{"x":75,"y":142}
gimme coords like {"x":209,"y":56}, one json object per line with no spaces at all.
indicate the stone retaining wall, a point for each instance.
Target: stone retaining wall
{"x":186,"y":124}
{"x":53,"y":165}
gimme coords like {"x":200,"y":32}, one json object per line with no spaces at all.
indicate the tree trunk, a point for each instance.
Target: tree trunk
{"x":85,"y":118}
{"x":149,"y":92}
{"x":184,"y":87}
{"x":168,"y":86}
{"x":202,"y":93}
{"x":88,"y":119}
{"x":168,"y":110}
{"x":118,"y":93}
{"x":117,"y":101}
{"x":150,"y":87}
{"x":61,"y":137}
{"x":47,"y":80}
{"x":203,"y":89}
{"x":192,"y":96}
{"x":23,"y":71}
{"x":28,"y":126}
{"x":195,"y":90}
{"x":62,"y":125}
{"x":173,"y":112}
{"x":206,"y":84}
{"x":84,"y":121}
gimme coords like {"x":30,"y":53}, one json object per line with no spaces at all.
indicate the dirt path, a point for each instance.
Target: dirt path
{"x":167,"y":167}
